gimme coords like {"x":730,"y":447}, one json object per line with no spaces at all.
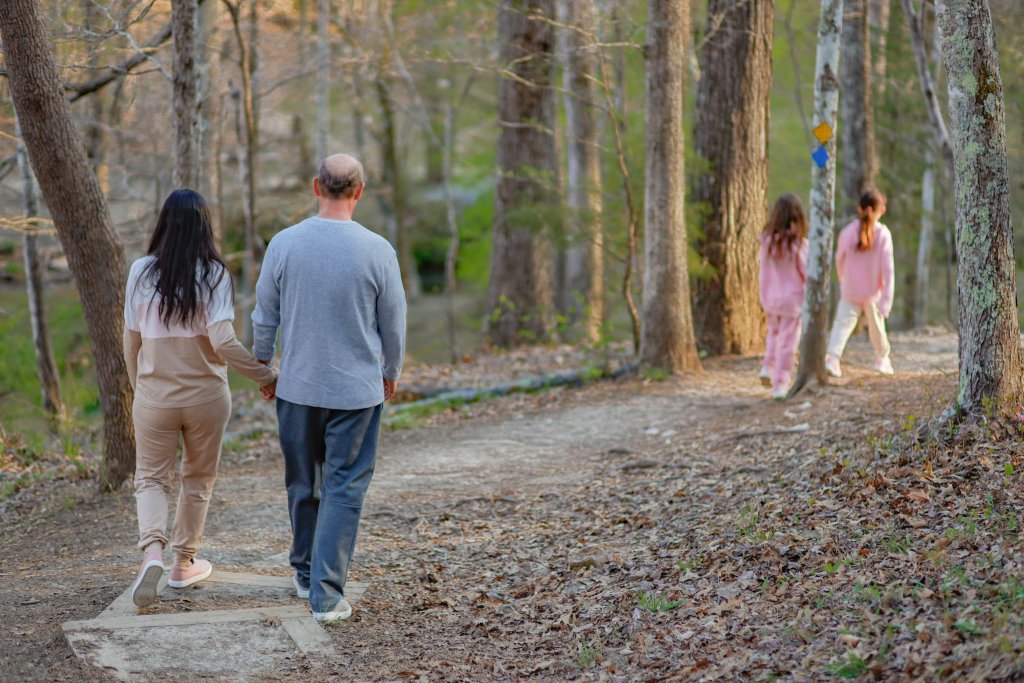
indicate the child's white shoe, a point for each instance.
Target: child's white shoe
{"x":832,"y":366}
{"x":884,"y":366}
{"x":780,"y":394}
{"x":765,"y":376}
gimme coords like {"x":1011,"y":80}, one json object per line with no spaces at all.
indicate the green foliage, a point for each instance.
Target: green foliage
{"x":20,"y":403}
{"x":654,"y":602}
{"x":853,"y":667}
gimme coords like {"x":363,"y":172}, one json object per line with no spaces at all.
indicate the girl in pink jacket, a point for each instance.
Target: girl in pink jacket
{"x":783,"y":278}
{"x":864,"y":265}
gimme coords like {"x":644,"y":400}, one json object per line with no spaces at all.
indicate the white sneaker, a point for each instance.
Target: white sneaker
{"x":299,"y":590}
{"x":341,"y":612}
{"x":780,"y":394}
{"x":832,"y":365}
{"x":765,"y":376}
{"x":884,"y":366}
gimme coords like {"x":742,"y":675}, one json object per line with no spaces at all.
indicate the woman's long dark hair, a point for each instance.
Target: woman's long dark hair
{"x":787,"y":225}
{"x":187,"y":267}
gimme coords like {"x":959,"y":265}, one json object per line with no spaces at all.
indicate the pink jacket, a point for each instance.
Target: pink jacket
{"x":866,"y":276}
{"x":783,"y":279}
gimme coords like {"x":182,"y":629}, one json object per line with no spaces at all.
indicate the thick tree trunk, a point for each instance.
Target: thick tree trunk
{"x":924,"y":240}
{"x":878,"y":27}
{"x":46,"y":367}
{"x":823,"y":200}
{"x":80,"y":214}
{"x":857,"y":134}
{"x":584,"y":267}
{"x":211,"y":115}
{"x":666,"y":338}
{"x":732,"y":135}
{"x":990,"y":346}
{"x":526,"y":197}
{"x":188,"y":129}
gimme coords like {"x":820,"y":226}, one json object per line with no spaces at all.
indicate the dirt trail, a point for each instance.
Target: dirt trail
{"x":68,"y":563}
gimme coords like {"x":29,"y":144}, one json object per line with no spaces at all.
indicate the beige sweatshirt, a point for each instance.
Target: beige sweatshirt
{"x":183,"y":365}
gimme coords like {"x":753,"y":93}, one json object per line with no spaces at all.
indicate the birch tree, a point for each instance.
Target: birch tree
{"x":823,"y":198}
{"x":519,"y":292}
{"x":732,"y":135}
{"x":188,"y":131}
{"x":666,"y":337}
{"x":584,"y":267}
{"x":46,"y":367}
{"x":80,"y":214}
{"x":990,"y":345}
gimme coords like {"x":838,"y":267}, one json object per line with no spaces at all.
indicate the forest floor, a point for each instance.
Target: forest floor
{"x":688,"y":529}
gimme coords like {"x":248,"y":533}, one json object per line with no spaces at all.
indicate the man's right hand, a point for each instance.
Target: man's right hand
{"x":390,"y":386}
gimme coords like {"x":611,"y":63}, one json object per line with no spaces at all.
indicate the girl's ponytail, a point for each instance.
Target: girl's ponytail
{"x":867,"y":211}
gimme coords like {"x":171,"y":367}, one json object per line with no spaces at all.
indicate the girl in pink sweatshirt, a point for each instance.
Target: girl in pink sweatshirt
{"x":864,"y":265}
{"x":783,"y":278}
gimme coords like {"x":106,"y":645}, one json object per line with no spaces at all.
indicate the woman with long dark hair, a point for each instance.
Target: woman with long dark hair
{"x":178,"y":341}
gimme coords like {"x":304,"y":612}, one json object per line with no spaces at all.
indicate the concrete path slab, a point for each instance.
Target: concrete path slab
{"x":189,"y":631}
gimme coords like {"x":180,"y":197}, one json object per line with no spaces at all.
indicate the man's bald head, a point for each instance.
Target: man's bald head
{"x":340,"y":176}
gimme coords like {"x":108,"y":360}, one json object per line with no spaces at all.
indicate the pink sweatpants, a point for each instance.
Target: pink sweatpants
{"x":780,"y":348}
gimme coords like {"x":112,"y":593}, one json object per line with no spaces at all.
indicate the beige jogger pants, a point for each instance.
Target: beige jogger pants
{"x":847,"y":315}
{"x":157,"y":434}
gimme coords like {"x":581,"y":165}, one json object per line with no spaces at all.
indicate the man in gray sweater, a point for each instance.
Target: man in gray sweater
{"x":335,"y":291}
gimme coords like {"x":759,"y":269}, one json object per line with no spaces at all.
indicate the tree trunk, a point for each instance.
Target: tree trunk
{"x":666,"y":339}
{"x":924,"y":240}
{"x":249,"y":148}
{"x":49,"y":379}
{"x":526,"y":196}
{"x":823,"y":200}
{"x":79,"y":212}
{"x":323,"y":76}
{"x":857,"y":134}
{"x":584,"y":267}
{"x":188,"y":130}
{"x":452,"y":253}
{"x":393,"y":177}
{"x":990,"y":346}
{"x":924,"y":76}
{"x":211,"y":116}
{"x":732,"y":136}
{"x":878,"y":27}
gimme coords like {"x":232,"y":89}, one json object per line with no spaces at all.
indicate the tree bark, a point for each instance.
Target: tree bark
{"x":732,"y":136}
{"x":990,"y":345}
{"x":928,"y":89}
{"x":80,"y":214}
{"x":857,"y":134}
{"x":667,"y":338}
{"x":823,"y":201}
{"x":526,"y":197}
{"x":249,"y":148}
{"x":584,"y":267}
{"x":46,"y":367}
{"x":188,"y":130}
{"x":393,"y":177}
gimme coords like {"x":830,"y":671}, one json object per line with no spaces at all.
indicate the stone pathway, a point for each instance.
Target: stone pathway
{"x":191,"y":630}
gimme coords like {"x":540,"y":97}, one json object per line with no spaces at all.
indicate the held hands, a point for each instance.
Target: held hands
{"x":389,"y":388}
{"x":269,"y":391}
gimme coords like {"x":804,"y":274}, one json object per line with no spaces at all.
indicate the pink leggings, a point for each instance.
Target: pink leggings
{"x":780,"y":348}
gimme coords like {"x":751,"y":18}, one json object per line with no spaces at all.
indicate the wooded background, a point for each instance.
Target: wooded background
{"x":530,"y":159}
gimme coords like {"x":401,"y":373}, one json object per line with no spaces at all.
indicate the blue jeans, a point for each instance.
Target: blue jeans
{"x":324,"y":523}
